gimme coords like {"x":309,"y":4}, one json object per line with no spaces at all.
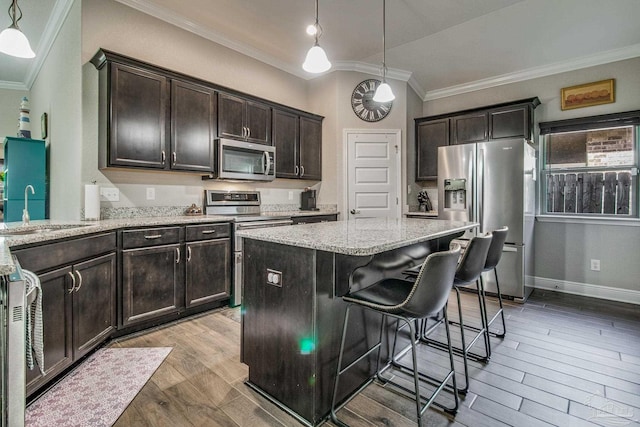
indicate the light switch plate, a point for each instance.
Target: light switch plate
{"x":110,"y":194}
{"x":151,"y":193}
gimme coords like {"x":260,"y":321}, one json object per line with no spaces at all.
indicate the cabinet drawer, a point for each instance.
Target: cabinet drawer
{"x":46,"y":257}
{"x":150,"y":237}
{"x":207,"y":231}
{"x":314,"y":218}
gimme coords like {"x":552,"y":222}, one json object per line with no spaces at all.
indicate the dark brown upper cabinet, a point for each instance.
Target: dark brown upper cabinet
{"x":193,"y":127}
{"x":298,"y":142}
{"x":241,"y":118}
{"x":429,"y":136}
{"x":138,"y":125}
{"x":509,"y":120}
{"x":469,"y":128}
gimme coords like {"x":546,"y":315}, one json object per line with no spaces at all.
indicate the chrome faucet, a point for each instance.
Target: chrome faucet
{"x":25,"y":211}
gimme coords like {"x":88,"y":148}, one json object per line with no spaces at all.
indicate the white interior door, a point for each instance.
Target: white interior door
{"x":373,"y":174}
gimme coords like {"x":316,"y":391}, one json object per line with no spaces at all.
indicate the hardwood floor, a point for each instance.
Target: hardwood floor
{"x":566,"y":361}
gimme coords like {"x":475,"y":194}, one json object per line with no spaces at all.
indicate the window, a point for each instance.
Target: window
{"x":590,"y":171}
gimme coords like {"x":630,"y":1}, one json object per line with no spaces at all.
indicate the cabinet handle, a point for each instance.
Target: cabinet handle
{"x":79,"y":281}
{"x":248,"y":132}
{"x":173,"y":157}
{"x":188,"y":253}
{"x":164,"y":157}
{"x":301,"y":171}
{"x":208,"y":231}
{"x":152,"y":236}
{"x":244,"y":132}
{"x":296,"y":169}
{"x":73,"y":282}
{"x":177,"y":255}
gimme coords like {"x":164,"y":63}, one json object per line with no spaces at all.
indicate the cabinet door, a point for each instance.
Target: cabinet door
{"x":208,"y":272}
{"x":230,"y":116}
{"x":510,"y":123}
{"x":258,"y":122}
{"x":310,"y":148}
{"x":150,"y":283}
{"x":139,"y":118}
{"x":193,"y":116}
{"x":94,"y":303}
{"x":470,"y":128}
{"x":429,"y":136}
{"x":285,"y":139}
{"x":57,"y":331}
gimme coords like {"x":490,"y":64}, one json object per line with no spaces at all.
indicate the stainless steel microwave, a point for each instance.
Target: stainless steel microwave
{"x":244,"y":160}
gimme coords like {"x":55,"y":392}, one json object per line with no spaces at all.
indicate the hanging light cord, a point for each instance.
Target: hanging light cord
{"x":384,"y":46}
{"x":12,"y":13}
{"x":318,"y":27}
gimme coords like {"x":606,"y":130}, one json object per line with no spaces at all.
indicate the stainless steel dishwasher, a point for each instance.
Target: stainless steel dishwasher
{"x":13,"y":312}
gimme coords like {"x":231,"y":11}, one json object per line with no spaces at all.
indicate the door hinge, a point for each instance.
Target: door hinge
{"x":396,"y":149}
{"x":397,"y":202}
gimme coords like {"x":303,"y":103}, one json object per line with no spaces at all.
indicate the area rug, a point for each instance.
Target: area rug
{"x":97,"y":391}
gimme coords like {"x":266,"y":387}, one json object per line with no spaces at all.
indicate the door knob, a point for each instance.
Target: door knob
{"x":354,"y":212}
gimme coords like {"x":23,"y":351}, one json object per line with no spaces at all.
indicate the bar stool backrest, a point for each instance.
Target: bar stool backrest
{"x":475,"y":256}
{"x":431,"y":290}
{"x":495,"y":250}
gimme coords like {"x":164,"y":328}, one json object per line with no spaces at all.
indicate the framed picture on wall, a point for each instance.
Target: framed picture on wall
{"x":588,"y":94}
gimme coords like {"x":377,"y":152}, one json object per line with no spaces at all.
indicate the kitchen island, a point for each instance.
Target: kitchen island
{"x":292,"y":313}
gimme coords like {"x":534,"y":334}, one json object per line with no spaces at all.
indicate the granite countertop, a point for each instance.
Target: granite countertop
{"x":362,"y":237}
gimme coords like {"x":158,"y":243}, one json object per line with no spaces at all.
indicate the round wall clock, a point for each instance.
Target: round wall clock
{"x":363,"y":104}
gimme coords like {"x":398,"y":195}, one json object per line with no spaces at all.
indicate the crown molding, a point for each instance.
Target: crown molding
{"x":4,"y":84}
{"x":587,"y":61}
{"x":366,"y":68}
{"x":54,"y":25}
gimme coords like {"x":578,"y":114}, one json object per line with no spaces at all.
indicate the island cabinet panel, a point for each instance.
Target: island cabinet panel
{"x":278,"y":329}
{"x":151,"y":280}
{"x":429,"y":136}
{"x":193,"y":118}
{"x":139,"y":108}
{"x":241,"y":118}
{"x":208,"y":276}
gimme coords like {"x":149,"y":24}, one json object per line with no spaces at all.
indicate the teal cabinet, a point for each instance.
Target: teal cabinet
{"x":25,"y":163}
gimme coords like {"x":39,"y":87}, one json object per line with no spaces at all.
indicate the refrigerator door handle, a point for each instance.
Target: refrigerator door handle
{"x":471,"y":191}
{"x":481,"y":164}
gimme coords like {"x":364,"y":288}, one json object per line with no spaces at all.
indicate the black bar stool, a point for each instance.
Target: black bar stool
{"x":468,"y":272}
{"x":493,"y":258}
{"x":405,"y":301}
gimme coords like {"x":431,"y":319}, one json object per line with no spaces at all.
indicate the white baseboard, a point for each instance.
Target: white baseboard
{"x":587,"y":290}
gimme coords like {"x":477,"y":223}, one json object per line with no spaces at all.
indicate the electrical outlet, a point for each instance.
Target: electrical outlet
{"x":110,"y":194}
{"x":595,"y":265}
{"x":290,"y":195}
{"x":274,"y":277}
{"x":151,"y":193}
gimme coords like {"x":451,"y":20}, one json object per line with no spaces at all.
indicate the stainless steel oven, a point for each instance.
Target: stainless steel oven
{"x":243,"y":207}
{"x":246,"y":161}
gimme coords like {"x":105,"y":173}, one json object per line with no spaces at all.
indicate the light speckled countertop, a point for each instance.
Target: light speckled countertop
{"x":49,"y":230}
{"x":362,"y":237}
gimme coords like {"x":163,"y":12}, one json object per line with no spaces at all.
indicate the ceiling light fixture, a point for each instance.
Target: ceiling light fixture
{"x":316,"y":60}
{"x":384,"y":92}
{"x":13,"y":41}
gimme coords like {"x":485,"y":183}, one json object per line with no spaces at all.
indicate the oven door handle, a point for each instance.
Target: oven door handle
{"x":263,"y":224}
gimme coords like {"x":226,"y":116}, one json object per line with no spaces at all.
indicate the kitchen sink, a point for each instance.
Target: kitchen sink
{"x":25,"y":231}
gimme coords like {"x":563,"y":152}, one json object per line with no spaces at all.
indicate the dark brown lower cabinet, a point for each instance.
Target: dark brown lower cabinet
{"x":151,"y":283}
{"x":208,"y":276}
{"x":78,"y":303}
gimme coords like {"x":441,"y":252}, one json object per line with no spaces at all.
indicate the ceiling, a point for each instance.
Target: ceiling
{"x":440,"y":47}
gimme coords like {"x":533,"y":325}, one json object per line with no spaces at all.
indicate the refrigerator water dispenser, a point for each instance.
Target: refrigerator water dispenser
{"x":455,"y":194}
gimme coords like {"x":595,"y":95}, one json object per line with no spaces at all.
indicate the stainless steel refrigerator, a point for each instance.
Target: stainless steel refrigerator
{"x":493,"y":183}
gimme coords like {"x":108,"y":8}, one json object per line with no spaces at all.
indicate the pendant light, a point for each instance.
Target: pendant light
{"x":316,"y":60}
{"x":384,"y":92}
{"x":13,"y":41}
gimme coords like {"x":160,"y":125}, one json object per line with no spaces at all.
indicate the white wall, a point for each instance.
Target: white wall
{"x":563,"y":251}
{"x":58,"y":91}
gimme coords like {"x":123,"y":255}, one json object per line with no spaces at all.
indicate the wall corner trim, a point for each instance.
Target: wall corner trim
{"x":588,"y":290}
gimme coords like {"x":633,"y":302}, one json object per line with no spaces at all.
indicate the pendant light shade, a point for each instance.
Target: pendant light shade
{"x":316,"y":60}
{"x":13,"y":41}
{"x":384,"y":92}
